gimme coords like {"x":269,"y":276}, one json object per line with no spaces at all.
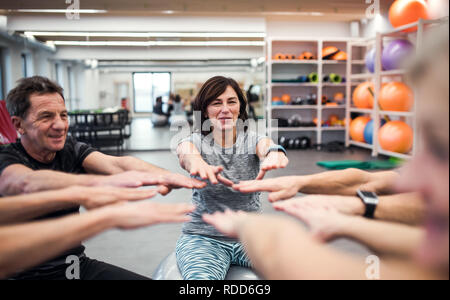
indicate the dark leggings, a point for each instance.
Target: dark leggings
{"x":90,"y":269}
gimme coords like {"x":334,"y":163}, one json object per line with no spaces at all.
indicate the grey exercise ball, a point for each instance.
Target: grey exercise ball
{"x":168,"y":270}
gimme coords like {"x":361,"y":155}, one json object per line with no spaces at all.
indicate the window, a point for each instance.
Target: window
{"x":23,"y":58}
{"x":149,"y":86}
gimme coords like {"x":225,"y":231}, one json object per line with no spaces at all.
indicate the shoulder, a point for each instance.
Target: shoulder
{"x":78,"y":149}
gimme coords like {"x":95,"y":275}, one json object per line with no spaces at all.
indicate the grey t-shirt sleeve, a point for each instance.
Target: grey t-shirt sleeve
{"x":194,"y":138}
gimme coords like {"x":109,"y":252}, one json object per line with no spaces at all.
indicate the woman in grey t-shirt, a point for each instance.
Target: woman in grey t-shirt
{"x":223,"y":153}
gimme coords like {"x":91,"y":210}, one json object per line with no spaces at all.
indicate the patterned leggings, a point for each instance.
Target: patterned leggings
{"x":204,"y":258}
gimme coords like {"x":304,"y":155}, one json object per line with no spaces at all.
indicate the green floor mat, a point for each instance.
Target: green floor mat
{"x":363,"y":165}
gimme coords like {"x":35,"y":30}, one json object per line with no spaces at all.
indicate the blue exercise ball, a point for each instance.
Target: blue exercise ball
{"x":368,"y":131}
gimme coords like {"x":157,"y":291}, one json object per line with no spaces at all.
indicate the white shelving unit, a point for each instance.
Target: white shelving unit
{"x":277,"y":68}
{"x":378,"y":77}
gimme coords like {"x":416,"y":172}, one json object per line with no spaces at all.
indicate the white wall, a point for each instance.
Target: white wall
{"x":307,"y":29}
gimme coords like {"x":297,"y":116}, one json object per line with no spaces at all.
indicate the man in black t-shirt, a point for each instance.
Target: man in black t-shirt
{"x":45,"y":159}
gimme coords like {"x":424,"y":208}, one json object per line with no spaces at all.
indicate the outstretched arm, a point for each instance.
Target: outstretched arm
{"x":327,"y":223}
{"x":345,"y":182}
{"x":192,"y":161}
{"x":406,"y":208}
{"x":18,"y":209}
{"x":24,"y":246}
{"x":280,"y":249}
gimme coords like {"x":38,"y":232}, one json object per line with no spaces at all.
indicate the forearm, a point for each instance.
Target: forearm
{"x":129,"y":163}
{"x":263,"y":147}
{"x":14,"y":183}
{"x":23,"y":246}
{"x":187,"y":153}
{"x":403,"y":208}
{"x":381,"y":237}
{"x":280,"y":249}
{"x":26,"y":207}
{"x":345,"y":182}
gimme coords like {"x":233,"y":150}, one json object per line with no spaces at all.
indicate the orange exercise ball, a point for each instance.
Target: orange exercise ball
{"x":286,"y":98}
{"x":396,"y":96}
{"x":403,"y":12}
{"x":357,"y":127}
{"x":396,"y":136}
{"x":362,"y":97}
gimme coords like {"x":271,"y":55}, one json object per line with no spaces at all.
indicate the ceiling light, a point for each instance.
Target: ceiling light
{"x":60,"y":11}
{"x":161,"y":43}
{"x":151,"y":34}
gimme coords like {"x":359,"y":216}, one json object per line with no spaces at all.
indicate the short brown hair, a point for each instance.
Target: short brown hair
{"x":18,"y":99}
{"x":210,"y":91}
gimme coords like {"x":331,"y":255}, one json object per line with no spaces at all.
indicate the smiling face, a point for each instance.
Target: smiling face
{"x":224,"y":111}
{"x":44,"y":129}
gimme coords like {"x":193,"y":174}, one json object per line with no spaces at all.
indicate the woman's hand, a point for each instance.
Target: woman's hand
{"x":196,"y":166}
{"x":273,"y":160}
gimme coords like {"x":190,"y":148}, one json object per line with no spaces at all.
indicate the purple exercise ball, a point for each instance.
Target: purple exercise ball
{"x":395,"y":53}
{"x":370,"y":60}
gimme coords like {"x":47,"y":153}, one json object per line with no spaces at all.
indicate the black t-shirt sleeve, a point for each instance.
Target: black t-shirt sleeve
{"x":9,"y":156}
{"x":80,"y":151}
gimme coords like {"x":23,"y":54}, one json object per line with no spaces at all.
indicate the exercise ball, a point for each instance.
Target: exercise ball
{"x":403,"y":12}
{"x":396,"y":53}
{"x":396,"y":136}
{"x":362,"y":96}
{"x":370,"y":60}
{"x":396,"y":96}
{"x":368,"y":131}
{"x":357,"y":128}
{"x":286,"y":98}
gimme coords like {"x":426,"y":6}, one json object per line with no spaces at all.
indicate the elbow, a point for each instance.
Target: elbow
{"x":13,"y":187}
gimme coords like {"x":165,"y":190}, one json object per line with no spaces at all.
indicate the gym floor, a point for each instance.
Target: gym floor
{"x":142,"y":250}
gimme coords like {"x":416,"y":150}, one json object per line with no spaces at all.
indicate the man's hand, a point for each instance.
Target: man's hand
{"x":274,"y":160}
{"x":94,"y":197}
{"x":324,"y":221}
{"x":227,"y":222}
{"x":136,"y":215}
{"x":343,"y":204}
{"x":135,"y":179}
{"x":280,"y":188}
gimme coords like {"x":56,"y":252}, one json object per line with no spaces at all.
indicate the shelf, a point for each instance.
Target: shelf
{"x":294,"y":62}
{"x":288,"y":129}
{"x":359,"y":62}
{"x":395,"y":154}
{"x":334,"y":62}
{"x":362,"y":110}
{"x":397,"y":113}
{"x":341,"y":128}
{"x":327,"y":84}
{"x":393,"y":73}
{"x":333,"y":107}
{"x":280,"y":84}
{"x":362,"y":76}
{"x":294,"y":107}
{"x":359,"y":144}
